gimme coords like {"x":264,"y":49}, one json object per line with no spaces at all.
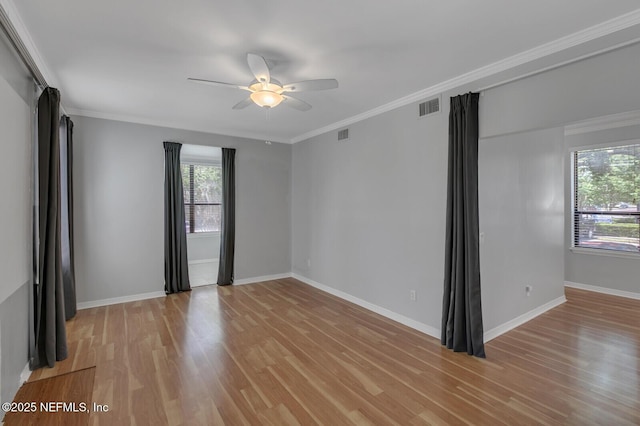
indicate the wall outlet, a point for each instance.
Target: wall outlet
{"x":413,"y":296}
{"x":528,"y":289}
{"x":308,"y":263}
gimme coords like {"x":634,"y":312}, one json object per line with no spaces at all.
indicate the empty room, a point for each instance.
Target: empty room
{"x":298,"y":213}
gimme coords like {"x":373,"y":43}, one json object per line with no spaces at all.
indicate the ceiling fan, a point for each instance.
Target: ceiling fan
{"x":268,"y":92}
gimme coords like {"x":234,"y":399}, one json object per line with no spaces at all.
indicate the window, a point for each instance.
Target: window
{"x":606,"y":198}
{"x":202,"y":185}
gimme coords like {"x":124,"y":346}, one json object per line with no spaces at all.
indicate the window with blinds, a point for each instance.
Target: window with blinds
{"x":202,"y":186}
{"x":606,"y":198}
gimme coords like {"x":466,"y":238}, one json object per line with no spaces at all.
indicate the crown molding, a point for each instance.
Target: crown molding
{"x":613,"y":121}
{"x":173,"y":125}
{"x":592,"y":33}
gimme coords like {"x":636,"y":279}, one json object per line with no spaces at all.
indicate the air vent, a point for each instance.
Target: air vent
{"x":343,"y":134}
{"x":429,"y":107}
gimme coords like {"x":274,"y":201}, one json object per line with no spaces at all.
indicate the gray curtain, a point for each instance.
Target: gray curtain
{"x":50,"y":333}
{"x":176,"y":266}
{"x":461,"y":308}
{"x":228,"y":231}
{"x":66,"y":210}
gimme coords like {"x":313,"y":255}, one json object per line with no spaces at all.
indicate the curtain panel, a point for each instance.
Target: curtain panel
{"x":228,"y":228}
{"x":66,"y":211}
{"x":462,"y":328}
{"x":50,"y":333}
{"x":176,"y":265}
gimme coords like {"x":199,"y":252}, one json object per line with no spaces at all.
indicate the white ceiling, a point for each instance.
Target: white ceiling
{"x":130,"y":59}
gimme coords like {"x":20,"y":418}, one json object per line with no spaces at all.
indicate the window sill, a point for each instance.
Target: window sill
{"x":197,"y":235}
{"x":606,"y":253}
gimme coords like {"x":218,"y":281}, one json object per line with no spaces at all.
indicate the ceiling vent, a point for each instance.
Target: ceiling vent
{"x":343,"y":134}
{"x":429,"y":107}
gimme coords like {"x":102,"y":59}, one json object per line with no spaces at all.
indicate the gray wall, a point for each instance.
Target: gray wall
{"x":521,"y":199}
{"x":16,"y":95}
{"x":596,"y":87}
{"x":602,"y":85}
{"x":119,"y":206}
{"x":618,"y":273}
{"x":13,"y":71}
{"x":368,"y":213}
{"x":15,"y":187}
{"x":14,"y":341}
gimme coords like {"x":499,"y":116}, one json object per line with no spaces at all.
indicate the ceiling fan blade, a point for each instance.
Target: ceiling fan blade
{"x":302,"y":86}
{"x":259,"y":67}
{"x":295,"y":103}
{"x":218,"y":83}
{"x":243,"y":103}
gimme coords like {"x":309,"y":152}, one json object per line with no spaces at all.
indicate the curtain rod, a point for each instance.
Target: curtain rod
{"x":20,"y":48}
{"x":23,"y":53}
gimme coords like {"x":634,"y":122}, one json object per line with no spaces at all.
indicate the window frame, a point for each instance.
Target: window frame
{"x":191,"y":202}
{"x":575,"y":213}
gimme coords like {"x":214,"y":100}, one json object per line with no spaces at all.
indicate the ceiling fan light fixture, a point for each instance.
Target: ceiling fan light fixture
{"x":266,"y":98}
{"x":267,"y":92}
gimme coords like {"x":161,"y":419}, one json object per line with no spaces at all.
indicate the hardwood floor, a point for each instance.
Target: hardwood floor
{"x":282,"y":352}
{"x":37,"y":402}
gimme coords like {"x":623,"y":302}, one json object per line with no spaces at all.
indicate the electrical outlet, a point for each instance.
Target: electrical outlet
{"x":528,"y":289}
{"x":413,"y":295}
{"x":309,"y":263}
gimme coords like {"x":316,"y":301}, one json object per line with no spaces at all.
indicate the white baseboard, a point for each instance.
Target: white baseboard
{"x":416,"y":325}
{"x":424,"y":328}
{"x":154,"y":294}
{"x":518,"y":321}
{"x":24,"y":375}
{"x":123,"y":299}
{"x":603,"y":290}
{"x":255,"y":280}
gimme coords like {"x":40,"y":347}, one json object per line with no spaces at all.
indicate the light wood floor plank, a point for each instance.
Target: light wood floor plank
{"x":284,"y":353}
{"x":74,"y":389}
